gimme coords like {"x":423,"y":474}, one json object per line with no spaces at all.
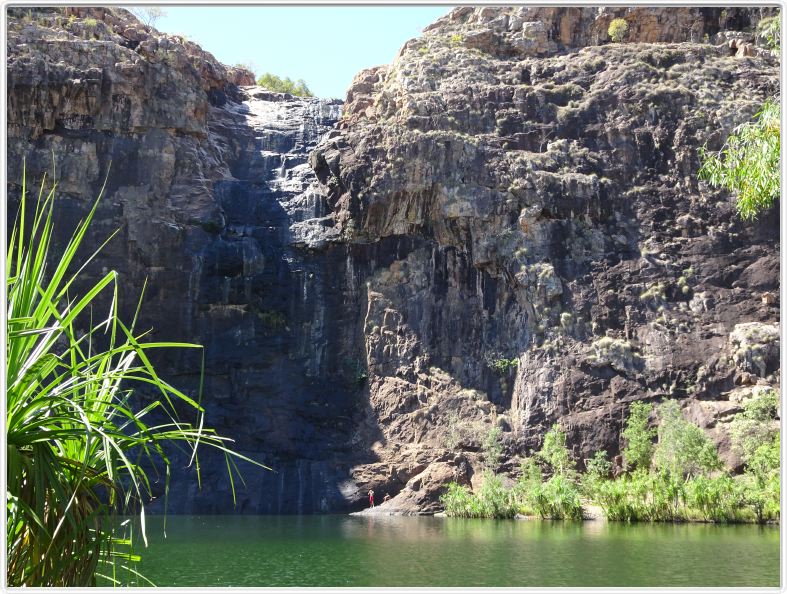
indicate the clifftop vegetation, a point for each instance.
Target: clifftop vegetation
{"x":284,"y":85}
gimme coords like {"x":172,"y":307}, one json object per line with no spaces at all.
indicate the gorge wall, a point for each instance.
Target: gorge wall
{"x":502,"y":228}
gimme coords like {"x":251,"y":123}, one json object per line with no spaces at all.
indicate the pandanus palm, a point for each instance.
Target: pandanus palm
{"x":79,"y":448}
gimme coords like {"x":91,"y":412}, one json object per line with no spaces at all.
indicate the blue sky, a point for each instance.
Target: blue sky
{"x":326,"y":46}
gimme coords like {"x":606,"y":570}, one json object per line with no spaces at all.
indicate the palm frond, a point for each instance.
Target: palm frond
{"x":79,"y":445}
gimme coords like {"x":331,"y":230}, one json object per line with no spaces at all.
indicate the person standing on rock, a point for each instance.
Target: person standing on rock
{"x":371,"y":498}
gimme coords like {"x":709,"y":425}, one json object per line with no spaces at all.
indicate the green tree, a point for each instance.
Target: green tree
{"x":638,"y":451}
{"x":761,"y":484}
{"x":683,"y":450}
{"x":529,"y":481}
{"x":748,"y":163}
{"x":597,"y":469}
{"x":769,"y":30}
{"x":557,"y":498}
{"x":554,"y":453}
{"x":718,"y":498}
{"x":764,"y":460}
{"x":756,"y":425}
{"x":626,"y":498}
{"x":458,"y":501}
{"x":599,"y":466}
{"x":492,"y":448}
{"x":755,"y":434}
{"x":495,"y":500}
{"x":617,"y":30}
{"x":284,"y":85}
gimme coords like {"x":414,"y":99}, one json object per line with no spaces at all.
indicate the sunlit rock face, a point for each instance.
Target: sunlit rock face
{"x":570,"y":262}
{"x":503,"y":228}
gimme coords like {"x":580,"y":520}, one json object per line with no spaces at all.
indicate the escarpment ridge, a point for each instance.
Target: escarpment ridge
{"x":502,"y":228}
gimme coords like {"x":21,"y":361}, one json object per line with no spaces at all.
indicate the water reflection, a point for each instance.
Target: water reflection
{"x":423,"y":551}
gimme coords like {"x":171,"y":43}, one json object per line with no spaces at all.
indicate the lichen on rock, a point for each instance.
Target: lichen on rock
{"x":755,"y":347}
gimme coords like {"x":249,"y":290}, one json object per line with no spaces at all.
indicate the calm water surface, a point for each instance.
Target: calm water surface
{"x":400,"y":551}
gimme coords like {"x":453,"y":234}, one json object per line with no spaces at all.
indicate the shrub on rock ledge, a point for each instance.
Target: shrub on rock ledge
{"x":618,"y":29}
{"x":284,"y":85}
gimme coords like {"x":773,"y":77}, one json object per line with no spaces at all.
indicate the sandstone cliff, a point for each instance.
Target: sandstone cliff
{"x":503,"y":228}
{"x":566,"y":260}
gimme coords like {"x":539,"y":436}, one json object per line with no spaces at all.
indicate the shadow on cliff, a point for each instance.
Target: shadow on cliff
{"x":285,"y":372}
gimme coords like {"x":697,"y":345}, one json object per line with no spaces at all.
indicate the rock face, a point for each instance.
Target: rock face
{"x":503,"y":228}
{"x":218,"y":209}
{"x":568,"y":262}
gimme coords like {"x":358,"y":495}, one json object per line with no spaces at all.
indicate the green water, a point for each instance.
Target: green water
{"x":398,"y":551}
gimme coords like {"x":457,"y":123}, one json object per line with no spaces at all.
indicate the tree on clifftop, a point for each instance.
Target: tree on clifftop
{"x":284,"y":85}
{"x":149,"y":15}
